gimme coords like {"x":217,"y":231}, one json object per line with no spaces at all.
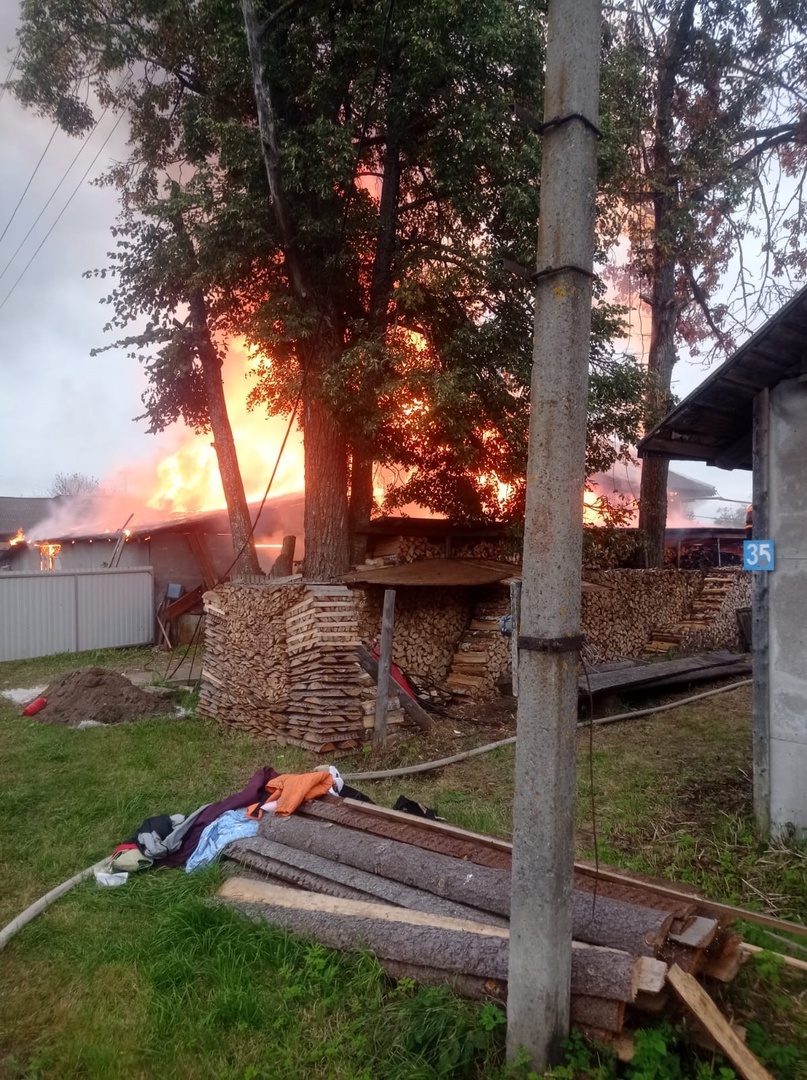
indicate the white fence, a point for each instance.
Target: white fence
{"x":70,"y":611}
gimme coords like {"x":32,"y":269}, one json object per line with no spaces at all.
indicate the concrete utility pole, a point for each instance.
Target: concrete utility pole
{"x":543,"y":827}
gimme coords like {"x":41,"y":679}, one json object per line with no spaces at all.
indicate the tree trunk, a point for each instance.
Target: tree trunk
{"x":223,"y":442}
{"x":664,"y":308}
{"x":361,"y":499}
{"x":660,"y":363}
{"x":327,"y":542}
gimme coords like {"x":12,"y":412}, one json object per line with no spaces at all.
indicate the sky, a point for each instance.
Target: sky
{"x":62,"y":410}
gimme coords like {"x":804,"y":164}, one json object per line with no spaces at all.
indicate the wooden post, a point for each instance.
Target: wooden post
{"x":384,"y":664}
{"x":515,"y":617}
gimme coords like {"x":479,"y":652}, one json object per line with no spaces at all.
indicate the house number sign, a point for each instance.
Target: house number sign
{"x":758,"y":555}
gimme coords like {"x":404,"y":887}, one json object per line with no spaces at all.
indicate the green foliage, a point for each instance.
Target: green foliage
{"x":425,"y":346}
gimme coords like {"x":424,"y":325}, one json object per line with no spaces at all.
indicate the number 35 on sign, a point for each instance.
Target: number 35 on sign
{"x":758,"y":555}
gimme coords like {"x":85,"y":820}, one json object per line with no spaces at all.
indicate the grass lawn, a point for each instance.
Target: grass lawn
{"x":151,"y":981}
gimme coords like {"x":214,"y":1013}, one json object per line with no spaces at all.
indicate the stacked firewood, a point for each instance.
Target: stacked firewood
{"x":332,"y":701}
{"x":711,"y":620}
{"x":281,"y":660}
{"x":243,"y":683}
{"x":483,"y":653}
{"x":433,"y":901}
{"x":428,"y":626}
{"x":618,"y":622}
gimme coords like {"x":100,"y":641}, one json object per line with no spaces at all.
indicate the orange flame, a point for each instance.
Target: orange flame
{"x":19,"y":538}
{"x":47,"y":555}
{"x":189,"y":479}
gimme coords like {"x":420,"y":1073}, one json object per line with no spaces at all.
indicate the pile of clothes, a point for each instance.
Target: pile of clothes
{"x":197,"y":840}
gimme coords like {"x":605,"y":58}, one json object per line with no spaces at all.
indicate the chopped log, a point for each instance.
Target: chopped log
{"x":308,"y":871}
{"x":413,"y":710}
{"x":699,"y":933}
{"x":695,"y":998}
{"x":453,"y":944}
{"x":607,"y":922}
{"x":283,"y":566}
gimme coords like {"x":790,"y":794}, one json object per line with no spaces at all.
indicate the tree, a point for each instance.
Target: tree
{"x":717,"y":170}
{"x":71,"y":484}
{"x":382,"y":304}
{"x":731,"y":517}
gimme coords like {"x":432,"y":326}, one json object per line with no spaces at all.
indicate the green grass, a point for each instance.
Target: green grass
{"x":152,"y":981}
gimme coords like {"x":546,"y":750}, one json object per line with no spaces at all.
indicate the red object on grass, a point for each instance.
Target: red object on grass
{"x":34,"y":706}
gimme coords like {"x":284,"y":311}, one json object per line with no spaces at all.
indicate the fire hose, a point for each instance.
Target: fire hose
{"x":428,"y":766}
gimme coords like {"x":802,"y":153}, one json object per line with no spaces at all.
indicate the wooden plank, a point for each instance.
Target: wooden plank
{"x":790,"y":961}
{"x":452,"y":944}
{"x":706,"y":1013}
{"x":649,"y":674}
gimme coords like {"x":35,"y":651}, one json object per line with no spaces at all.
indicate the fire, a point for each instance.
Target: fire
{"x":18,"y":538}
{"x":189,"y":479}
{"x":47,"y":555}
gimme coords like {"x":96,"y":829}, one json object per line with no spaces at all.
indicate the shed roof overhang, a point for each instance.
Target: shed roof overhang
{"x":715,"y":423}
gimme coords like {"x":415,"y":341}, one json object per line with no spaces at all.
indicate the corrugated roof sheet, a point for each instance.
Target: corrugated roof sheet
{"x":22,"y":513}
{"x":714,"y":424}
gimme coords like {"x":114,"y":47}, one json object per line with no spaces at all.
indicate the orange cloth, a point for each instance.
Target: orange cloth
{"x":291,"y":789}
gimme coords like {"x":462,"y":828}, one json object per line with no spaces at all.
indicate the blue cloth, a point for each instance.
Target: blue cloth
{"x":232,"y":825}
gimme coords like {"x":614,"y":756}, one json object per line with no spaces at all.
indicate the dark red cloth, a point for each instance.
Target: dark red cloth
{"x":254,"y":791}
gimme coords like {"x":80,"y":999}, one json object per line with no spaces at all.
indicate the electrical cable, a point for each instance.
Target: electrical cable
{"x":30,"y":181}
{"x":323,"y":308}
{"x":429,"y":766}
{"x":53,"y":194}
{"x":58,"y":218}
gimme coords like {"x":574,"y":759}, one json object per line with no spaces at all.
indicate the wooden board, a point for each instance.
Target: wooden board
{"x":695,"y":998}
{"x":612,"y":682}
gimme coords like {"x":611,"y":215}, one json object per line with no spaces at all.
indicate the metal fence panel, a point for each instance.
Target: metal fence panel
{"x":53,"y":612}
{"x":116,"y":609}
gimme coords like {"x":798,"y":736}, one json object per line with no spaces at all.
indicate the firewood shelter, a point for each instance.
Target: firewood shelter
{"x":751,"y":413}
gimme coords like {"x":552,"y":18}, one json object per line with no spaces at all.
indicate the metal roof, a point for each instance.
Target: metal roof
{"x":22,"y":513}
{"x":714,"y":424}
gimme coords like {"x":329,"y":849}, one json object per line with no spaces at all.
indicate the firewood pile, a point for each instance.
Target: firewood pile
{"x":432,"y":902}
{"x":282,"y":661}
{"x":619,"y":622}
{"x":428,"y":625}
{"x":483,"y":653}
{"x":406,"y":549}
{"x":711,"y":621}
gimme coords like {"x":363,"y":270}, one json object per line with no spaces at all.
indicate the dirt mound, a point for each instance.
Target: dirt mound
{"x":98,"y":694}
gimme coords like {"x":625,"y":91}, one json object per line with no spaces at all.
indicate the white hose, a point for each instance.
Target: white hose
{"x":44,"y":902}
{"x":428,"y":766}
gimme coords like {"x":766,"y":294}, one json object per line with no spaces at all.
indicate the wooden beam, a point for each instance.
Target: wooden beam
{"x":698,"y":1002}
{"x":384,"y":665}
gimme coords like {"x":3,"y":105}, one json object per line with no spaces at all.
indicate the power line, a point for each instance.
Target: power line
{"x":30,"y":181}
{"x":53,"y":194}
{"x":7,"y":80}
{"x":61,"y":212}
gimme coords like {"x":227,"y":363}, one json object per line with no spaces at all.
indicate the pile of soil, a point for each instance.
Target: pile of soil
{"x":98,"y":694}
